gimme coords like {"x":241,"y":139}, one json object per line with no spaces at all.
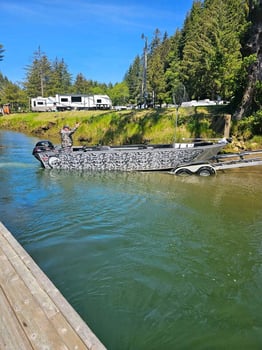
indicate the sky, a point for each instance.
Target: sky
{"x":98,"y":38}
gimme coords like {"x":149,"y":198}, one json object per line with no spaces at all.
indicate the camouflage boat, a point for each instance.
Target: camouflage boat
{"x":125,"y":158}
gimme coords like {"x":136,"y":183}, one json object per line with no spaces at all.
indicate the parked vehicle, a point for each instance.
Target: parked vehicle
{"x":70,"y":102}
{"x":43,"y":104}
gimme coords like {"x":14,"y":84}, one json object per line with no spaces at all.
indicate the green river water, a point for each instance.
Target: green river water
{"x":149,"y":260}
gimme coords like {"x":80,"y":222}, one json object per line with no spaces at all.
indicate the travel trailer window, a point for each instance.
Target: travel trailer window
{"x":98,"y":100}
{"x":76,"y":99}
{"x":40,"y":103}
{"x":64,"y":99}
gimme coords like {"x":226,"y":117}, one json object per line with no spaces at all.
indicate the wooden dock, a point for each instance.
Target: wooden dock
{"x":33,"y":313}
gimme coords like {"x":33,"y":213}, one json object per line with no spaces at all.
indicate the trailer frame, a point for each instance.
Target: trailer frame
{"x":220,"y":162}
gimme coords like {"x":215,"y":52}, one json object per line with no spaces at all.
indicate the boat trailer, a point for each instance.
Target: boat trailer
{"x":220,"y":162}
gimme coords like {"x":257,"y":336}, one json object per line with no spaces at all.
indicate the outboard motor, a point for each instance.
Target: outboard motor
{"x":43,"y":146}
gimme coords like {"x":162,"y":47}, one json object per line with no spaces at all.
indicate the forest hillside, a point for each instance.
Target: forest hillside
{"x":216,"y":55}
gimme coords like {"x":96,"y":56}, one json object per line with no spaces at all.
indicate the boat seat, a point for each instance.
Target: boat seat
{"x":184,"y":145}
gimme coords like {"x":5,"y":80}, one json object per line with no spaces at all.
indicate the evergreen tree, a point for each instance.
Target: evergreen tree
{"x":81,"y":85}
{"x":156,"y":77}
{"x":211,"y":51}
{"x":156,"y":42}
{"x":60,"y":78}
{"x":1,"y":52}
{"x":250,"y":90}
{"x":156,"y":69}
{"x":190,"y":52}
{"x":38,"y":75}
{"x":133,"y":79}
{"x":172,"y":70}
{"x":3,"y":80}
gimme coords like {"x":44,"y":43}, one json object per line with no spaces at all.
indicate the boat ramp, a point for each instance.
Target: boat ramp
{"x":34,"y":314}
{"x":238,"y":160}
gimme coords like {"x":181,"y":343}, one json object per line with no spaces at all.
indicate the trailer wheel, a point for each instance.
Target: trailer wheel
{"x":206,"y":171}
{"x":183,"y":172}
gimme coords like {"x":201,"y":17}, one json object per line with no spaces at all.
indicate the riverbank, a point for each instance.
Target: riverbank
{"x":127,"y":127}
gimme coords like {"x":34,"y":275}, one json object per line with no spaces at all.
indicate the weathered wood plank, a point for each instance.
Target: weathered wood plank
{"x":71,"y":339}
{"x":29,"y":314}
{"x":48,"y":304}
{"x":11,"y":334}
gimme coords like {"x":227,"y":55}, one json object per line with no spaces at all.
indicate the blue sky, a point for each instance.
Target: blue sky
{"x":99,"y":39}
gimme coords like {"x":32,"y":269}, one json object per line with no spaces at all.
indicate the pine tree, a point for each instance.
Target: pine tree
{"x":1,"y":52}
{"x":156,"y":77}
{"x":60,"y":78}
{"x":38,"y":75}
{"x":133,"y":79}
{"x":251,"y":94}
{"x":172,"y":67}
{"x":211,"y":51}
{"x":81,"y":85}
{"x":157,"y":62}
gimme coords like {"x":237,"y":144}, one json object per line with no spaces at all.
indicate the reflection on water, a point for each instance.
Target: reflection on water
{"x":149,"y":260}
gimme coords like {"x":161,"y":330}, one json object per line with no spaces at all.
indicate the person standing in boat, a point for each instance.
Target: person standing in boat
{"x":66,"y":136}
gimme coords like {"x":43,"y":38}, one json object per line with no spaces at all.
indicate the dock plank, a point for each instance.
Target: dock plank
{"x":12,"y":337}
{"x":30,"y":315}
{"x":37,"y":310}
{"x":45,"y":303}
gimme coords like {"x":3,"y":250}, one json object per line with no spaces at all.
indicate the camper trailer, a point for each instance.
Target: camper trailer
{"x":43,"y":104}
{"x":70,"y":102}
{"x":82,"y":102}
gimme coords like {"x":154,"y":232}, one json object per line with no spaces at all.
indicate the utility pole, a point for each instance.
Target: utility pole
{"x":39,"y":58}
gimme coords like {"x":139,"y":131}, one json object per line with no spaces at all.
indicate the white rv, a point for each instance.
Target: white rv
{"x":71,"y":102}
{"x":43,"y":104}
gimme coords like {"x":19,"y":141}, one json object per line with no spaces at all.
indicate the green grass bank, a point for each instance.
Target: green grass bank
{"x":127,"y":127}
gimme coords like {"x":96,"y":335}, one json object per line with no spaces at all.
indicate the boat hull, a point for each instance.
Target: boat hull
{"x":126,"y":158}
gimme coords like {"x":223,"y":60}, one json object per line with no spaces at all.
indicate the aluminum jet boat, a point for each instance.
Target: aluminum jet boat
{"x":126,"y":157}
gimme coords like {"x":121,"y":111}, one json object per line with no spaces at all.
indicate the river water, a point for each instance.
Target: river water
{"x":149,"y":260}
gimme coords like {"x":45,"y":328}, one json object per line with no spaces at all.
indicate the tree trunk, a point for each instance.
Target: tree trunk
{"x":254,"y":46}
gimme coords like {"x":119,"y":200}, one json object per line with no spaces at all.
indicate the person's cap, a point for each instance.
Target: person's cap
{"x":66,"y":127}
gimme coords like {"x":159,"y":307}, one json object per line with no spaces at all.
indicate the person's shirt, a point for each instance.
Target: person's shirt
{"x":66,"y":137}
